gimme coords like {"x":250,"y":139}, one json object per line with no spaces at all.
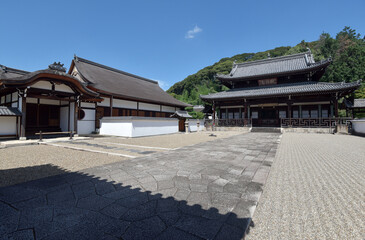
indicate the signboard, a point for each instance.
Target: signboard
{"x":269,"y":81}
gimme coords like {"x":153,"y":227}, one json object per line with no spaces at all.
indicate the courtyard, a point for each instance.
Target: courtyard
{"x":185,"y":186}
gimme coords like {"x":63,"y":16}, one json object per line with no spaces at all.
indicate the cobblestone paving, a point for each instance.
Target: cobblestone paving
{"x":205,"y":191}
{"x":315,"y":190}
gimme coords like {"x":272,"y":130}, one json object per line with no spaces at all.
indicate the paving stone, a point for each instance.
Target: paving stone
{"x":102,"y":188}
{"x":114,"y":210}
{"x":176,"y":234}
{"x":141,"y":212}
{"x":165,"y":184}
{"x":83,"y":189}
{"x":94,"y":202}
{"x":64,"y":194}
{"x":181,"y":194}
{"x":221,"y":182}
{"x":8,"y":219}
{"x":198,"y":187}
{"x":26,"y":234}
{"x":230,"y":232}
{"x":169,"y":218}
{"x":145,"y":229}
{"x":31,"y":217}
{"x":134,"y":200}
{"x":202,"y":227}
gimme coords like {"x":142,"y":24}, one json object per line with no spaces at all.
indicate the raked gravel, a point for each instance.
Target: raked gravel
{"x":315,"y":190}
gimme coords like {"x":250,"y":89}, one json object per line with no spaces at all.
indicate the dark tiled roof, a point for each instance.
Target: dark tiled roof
{"x":6,"y":72}
{"x":274,"y":66}
{"x":9,"y":111}
{"x":23,"y":77}
{"x":300,"y":88}
{"x":123,"y":84}
{"x":358,"y":103}
{"x":182,"y":114}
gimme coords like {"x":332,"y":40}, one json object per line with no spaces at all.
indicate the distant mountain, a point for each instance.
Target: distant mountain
{"x":347,"y":51}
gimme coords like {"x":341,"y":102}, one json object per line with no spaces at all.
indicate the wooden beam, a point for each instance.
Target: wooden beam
{"x":24,"y":117}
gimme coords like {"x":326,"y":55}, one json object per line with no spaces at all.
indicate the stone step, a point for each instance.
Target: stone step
{"x":266,"y":129}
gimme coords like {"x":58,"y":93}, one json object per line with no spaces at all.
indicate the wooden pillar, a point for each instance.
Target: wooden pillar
{"x":69,"y":114}
{"x":245,"y":114}
{"x":111,"y":106}
{"x":38,"y":103}
{"x":213,"y":108}
{"x":319,"y":111}
{"x":76,"y":113}
{"x":336,"y":107}
{"x":289,"y":113}
{"x":24,"y":117}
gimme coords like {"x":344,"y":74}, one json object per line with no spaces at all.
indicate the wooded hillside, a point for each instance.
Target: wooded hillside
{"x":347,"y":51}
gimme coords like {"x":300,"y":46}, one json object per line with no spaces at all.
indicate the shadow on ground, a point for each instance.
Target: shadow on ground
{"x":81,"y":205}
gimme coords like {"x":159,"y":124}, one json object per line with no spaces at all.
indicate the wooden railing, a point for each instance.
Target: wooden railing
{"x":314,"y":122}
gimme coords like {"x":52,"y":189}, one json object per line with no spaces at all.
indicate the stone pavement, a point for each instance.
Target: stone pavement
{"x":204,"y":191}
{"x":315,"y":189}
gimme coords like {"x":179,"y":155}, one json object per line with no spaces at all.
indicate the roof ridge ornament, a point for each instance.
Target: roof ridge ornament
{"x":57,"y":66}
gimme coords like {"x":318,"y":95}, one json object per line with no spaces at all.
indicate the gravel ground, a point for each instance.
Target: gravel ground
{"x":25,"y":163}
{"x":171,"y":140}
{"x":315,"y":190}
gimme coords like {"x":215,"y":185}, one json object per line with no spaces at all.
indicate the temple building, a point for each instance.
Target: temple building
{"x":280,"y":91}
{"x":52,"y":100}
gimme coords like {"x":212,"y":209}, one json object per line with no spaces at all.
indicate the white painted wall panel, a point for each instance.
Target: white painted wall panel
{"x":88,"y":105}
{"x":2,"y":100}
{"x":358,"y":126}
{"x":14,"y":96}
{"x":42,"y":85}
{"x":49,"y":101}
{"x":64,"y":119}
{"x":7,"y":125}
{"x":63,"y":88}
{"x":149,"y":107}
{"x":8,"y":98}
{"x":31,"y":100}
{"x":14,"y":104}
{"x":85,"y":127}
{"x":72,"y":107}
{"x":168,"y":109}
{"x":105,"y":102}
{"x":124,"y":104}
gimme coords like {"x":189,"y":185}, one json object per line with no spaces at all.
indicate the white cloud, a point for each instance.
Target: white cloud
{"x":191,"y":33}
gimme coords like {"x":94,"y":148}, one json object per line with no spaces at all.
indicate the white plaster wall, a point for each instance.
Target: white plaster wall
{"x":2,"y":100}
{"x":7,"y":125}
{"x":149,"y":107}
{"x":116,"y":128}
{"x":49,"y":101}
{"x":104,"y":103}
{"x":42,"y":85}
{"x":137,"y":126}
{"x":31,"y":100}
{"x":88,"y":105}
{"x":124,"y":104}
{"x":168,"y":109}
{"x":63,"y":88}
{"x":193,"y":126}
{"x":14,"y":104}
{"x":8,"y":98}
{"x":14,"y":96}
{"x":64,"y":119}
{"x":154,"y":127}
{"x":358,"y":126}
{"x":87,"y":124}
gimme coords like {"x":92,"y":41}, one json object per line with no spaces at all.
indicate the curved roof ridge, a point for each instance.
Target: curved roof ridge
{"x":13,"y":70}
{"x":76,"y":58}
{"x":274,"y":59}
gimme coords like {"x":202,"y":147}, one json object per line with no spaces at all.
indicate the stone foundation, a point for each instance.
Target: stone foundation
{"x":234,"y":129}
{"x":309,"y":130}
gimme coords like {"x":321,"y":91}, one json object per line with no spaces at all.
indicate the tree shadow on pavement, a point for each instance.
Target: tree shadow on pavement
{"x":92,"y":204}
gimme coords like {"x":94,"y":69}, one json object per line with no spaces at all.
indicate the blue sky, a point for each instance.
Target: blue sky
{"x":162,"y":40}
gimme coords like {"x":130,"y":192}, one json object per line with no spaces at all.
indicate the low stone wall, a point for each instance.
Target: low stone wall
{"x":358,"y":127}
{"x":309,"y":130}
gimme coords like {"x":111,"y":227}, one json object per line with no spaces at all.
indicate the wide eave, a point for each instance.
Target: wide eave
{"x":293,"y":89}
